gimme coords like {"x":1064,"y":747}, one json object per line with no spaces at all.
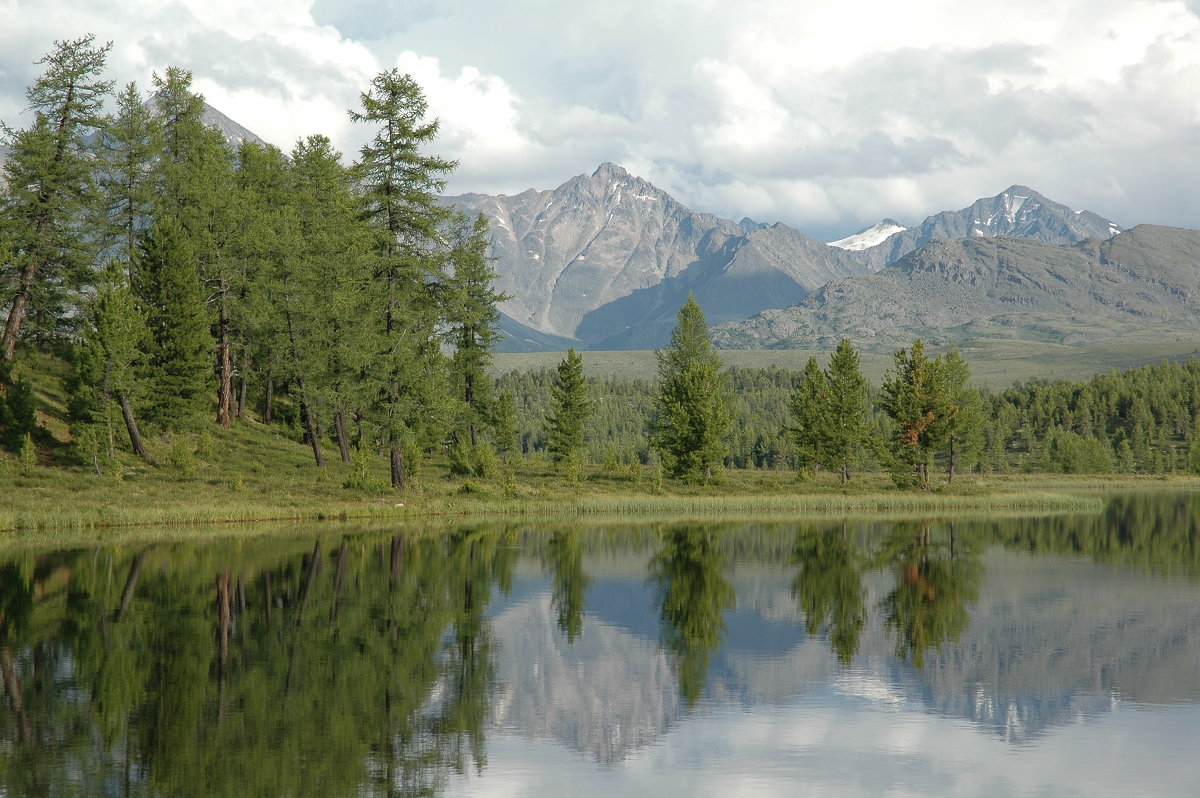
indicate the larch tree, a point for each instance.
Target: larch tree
{"x":692,"y":414}
{"x":129,"y":155}
{"x":401,"y":187}
{"x":49,"y":185}
{"x":332,"y":255}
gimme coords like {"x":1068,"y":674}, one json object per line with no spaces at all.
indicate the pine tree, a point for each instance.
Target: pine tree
{"x":49,"y":184}
{"x":401,"y":187}
{"x":692,"y":409}
{"x":169,"y":293}
{"x":569,"y":410}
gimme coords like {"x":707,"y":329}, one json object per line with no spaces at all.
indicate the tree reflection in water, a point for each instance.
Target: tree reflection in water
{"x":935,"y":580}
{"x":829,"y":588}
{"x":693,"y":597}
{"x":365,"y":668}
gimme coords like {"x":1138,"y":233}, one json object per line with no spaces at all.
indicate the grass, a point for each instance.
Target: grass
{"x":256,"y":474}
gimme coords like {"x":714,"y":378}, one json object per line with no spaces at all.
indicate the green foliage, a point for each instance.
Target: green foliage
{"x":17,"y":409}
{"x":692,"y":409}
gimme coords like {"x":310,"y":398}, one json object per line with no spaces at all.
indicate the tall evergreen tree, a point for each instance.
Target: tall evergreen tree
{"x":809,"y":409}
{"x":169,"y":292}
{"x":401,"y":185}
{"x":847,"y":431}
{"x":472,"y":320}
{"x":914,"y":394}
{"x":130,"y":154}
{"x":965,"y":427}
{"x":692,"y":409}
{"x":49,"y":181}
{"x":332,"y":275}
{"x":569,"y":410}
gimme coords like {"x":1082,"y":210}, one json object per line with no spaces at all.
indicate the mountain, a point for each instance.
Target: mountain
{"x":1017,"y":211}
{"x":1140,"y":283}
{"x":608,"y":259}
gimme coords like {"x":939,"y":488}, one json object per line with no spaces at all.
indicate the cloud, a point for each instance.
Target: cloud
{"x":818,"y":114}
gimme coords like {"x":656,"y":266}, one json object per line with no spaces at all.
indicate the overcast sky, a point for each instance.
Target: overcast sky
{"x":827,"y":116}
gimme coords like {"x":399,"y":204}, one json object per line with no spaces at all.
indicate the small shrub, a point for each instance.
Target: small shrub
{"x":181,"y":456}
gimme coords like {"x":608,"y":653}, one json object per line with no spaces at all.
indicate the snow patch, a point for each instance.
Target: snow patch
{"x":868,"y":238}
{"x":1113,"y":229}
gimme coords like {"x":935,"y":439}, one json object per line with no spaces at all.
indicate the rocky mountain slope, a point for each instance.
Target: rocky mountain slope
{"x":1017,"y":211}
{"x":613,"y":242}
{"x":606,"y":260}
{"x":1143,"y":282}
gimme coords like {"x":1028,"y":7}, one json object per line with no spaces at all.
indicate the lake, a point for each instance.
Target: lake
{"x":1019,"y":656}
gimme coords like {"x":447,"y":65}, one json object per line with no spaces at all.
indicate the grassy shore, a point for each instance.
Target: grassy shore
{"x":252,"y":474}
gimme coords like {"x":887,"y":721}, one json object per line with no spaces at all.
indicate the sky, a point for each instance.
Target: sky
{"x":827,"y":116}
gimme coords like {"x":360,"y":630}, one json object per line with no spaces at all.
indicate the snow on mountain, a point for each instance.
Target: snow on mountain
{"x":873,"y":235}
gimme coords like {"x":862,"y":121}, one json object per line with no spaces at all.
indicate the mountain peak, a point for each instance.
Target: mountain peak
{"x":610,"y":171}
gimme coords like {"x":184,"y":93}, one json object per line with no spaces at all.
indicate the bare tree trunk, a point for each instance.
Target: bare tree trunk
{"x":224,"y":365}
{"x":135,"y":435}
{"x":953,"y":461}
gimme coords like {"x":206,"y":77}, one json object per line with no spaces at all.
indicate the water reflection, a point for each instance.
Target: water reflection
{"x":381,"y":663}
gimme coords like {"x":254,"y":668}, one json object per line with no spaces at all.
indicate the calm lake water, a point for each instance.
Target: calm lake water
{"x":1015,"y":657}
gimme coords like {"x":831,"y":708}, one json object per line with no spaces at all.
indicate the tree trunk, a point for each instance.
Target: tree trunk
{"x":397,"y":460}
{"x":243,"y":384}
{"x":135,"y":435}
{"x":339,"y":423}
{"x":845,"y":473}
{"x":16,"y":314}
{"x":269,"y":403}
{"x":953,"y":461}
{"x":224,"y":365}
{"x":310,"y":426}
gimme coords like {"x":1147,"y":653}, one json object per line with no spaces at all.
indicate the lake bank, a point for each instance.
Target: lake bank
{"x":51,"y":504}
